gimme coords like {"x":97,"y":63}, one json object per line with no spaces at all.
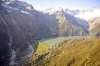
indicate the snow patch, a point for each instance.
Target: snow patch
{"x":53,"y":10}
{"x":25,"y":12}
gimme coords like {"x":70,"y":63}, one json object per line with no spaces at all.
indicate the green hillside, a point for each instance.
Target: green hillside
{"x":76,"y":52}
{"x":42,"y":47}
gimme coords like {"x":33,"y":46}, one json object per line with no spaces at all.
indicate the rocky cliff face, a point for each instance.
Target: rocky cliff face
{"x":95,"y":27}
{"x":69,"y":26}
{"x":16,"y":44}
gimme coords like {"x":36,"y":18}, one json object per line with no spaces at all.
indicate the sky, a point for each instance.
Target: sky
{"x":70,"y":4}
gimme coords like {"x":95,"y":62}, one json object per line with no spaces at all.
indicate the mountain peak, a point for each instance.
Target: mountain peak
{"x":58,"y":8}
{"x":21,"y":5}
{"x":53,"y":10}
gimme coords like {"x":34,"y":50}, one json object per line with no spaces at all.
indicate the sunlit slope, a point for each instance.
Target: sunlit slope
{"x":42,"y":47}
{"x":79,"y":52}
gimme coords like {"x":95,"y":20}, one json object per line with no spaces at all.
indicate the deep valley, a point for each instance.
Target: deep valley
{"x":51,"y":37}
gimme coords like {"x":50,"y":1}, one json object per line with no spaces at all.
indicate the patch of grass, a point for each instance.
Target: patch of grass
{"x":42,"y":47}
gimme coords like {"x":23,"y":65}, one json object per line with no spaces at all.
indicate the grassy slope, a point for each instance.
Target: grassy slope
{"x":84,"y":52}
{"x":42,"y":47}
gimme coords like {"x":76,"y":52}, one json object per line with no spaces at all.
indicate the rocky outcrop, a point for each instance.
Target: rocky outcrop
{"x":95,"y":27}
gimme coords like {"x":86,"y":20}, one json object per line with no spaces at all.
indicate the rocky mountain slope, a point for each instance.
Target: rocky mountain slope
{"x":68,"y":25}
{"x":18,"y":31}
{"x":95,"y":27}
